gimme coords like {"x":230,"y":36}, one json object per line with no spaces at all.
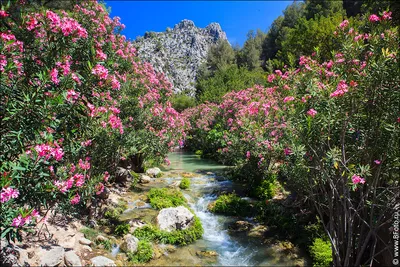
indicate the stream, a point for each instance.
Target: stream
{"x":233,"y":249}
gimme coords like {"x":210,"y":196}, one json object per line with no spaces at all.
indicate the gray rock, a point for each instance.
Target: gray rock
{"x":3,"y":243}
{"x":153,"y":172}
{"x":71,"y":259}
{"x":175,"y":184}
{"x":23,"y":258}
{"x":101,"y":261}
{"x":171,"y":219}
{"x":130,"y":243}
{"x":144,"y":179}
{"x":179,"y":52}
{"x":85,"y":241}
{"x":52,"y":257}
{"x":86,"y":247}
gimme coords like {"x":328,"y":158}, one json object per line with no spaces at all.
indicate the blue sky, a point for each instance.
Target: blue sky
{"x":235,"y":17}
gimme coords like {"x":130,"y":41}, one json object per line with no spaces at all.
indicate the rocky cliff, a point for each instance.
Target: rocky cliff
{"x":179,"y":52}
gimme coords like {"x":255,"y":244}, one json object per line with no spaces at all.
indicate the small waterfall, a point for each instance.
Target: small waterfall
{"x":215,"y":233}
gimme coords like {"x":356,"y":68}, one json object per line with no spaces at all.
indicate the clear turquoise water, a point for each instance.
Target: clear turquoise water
{"x":189,"y":162}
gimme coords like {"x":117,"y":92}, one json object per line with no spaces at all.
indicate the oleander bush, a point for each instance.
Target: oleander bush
{"x":328,"y":129}
{"x":76,"y":102}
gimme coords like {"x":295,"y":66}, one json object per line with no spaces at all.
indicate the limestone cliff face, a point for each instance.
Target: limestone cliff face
{"x":179,"y":52}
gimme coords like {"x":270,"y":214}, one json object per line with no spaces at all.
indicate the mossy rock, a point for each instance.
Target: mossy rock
{"x":184,"y":184}
{"x":231,"y":204}
{"x":144,"y":253}
{"x":161,"y":198}
{"x":177,"y":237}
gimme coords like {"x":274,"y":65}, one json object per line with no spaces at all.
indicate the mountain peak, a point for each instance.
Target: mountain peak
{"x":186,"y":23}
{"x":180,"y":51}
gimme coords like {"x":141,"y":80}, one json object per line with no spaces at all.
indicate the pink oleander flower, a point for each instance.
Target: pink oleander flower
{"x":75,"y":200}
{"x":374,"y":18}
{"x":61,"y":185}
{"x":115,"y":83}
{"x":31,"y":23}
{"x":287,"y":151}
{"x":99,"y":188}
{"x":72,"y":95}
{"x":79,"y":179}
{"x":271,"y":78}
{"x":84,"y":165}
{"x":86,"y":143}
{"x":312,"y":112}
{"x":341,"y":89}
{"x":248,"y":154}
{"x":357,"y":179}
{"x":35,"y":214}
{"x":100,"y":71}
{"x":288,"y":98}
{"x":377,"y":162}
{"x":54,"y":76}
{"x":167,"y":161}
{"x":18,"y":221}
{"x":344,"y":24}
{"x":3,"y":14}
{"x":106,"y":176}
{"x":387,"y":15}
{"x":8,"y":193}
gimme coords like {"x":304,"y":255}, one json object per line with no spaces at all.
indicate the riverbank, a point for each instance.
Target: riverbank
{"x":221,"y":244}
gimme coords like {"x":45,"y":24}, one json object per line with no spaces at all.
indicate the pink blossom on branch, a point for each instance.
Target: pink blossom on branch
{"x":357,"y":179}
{"x":374,"y":18}
{"x":8,"y":193}
{"x":75,"y":200}
{"x":312,"y":112}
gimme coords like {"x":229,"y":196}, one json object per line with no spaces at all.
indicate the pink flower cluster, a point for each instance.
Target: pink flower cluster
{"x":21,"y":221}
{"x":68,"y":26}
{"x":100,"y":71}
{"x":357,"y":179}
{"x":84,"y":165}
{"x":48,"y":151}
{"x":75,"y":200}
{"x":312,"y":112}
{"x":8,"y":193}
{"x":341,"y":89}
{"x":344,"y":24}
{"x":374,"y":18}
{"x":99,"y":188}
{"x":72,"y":96}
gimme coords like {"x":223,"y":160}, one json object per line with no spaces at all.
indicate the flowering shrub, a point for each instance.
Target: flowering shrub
{"x":75,"y":103}
{"x":331,"y":130}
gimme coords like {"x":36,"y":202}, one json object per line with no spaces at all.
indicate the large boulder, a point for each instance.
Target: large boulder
{"x":85,"y":241}
{"x":153,"y":172}
{"x":178,"y":218}
{"x":52,"y":257}
{"x":101,"y":261}
{"x":71,"y":259}
{"x":130,"y":244}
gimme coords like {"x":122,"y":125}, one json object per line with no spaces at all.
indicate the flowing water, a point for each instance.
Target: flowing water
{"x":233,"y":249}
